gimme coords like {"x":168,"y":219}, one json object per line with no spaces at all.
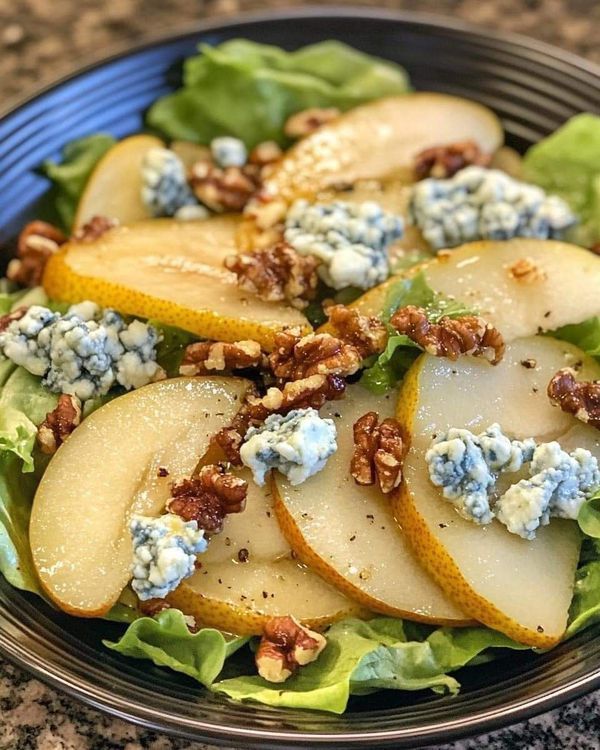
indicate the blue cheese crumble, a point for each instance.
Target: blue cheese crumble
{"x":83,"y":352}
{"x":297,"y":444}
{"x":228,"y":151}
{"x":351,"y":240}
{"x":559,"y":484}
{"x":480,"y":203}
{"x":164,"y":553}
{"x":165,"y":189}
{"x":466,"y":465}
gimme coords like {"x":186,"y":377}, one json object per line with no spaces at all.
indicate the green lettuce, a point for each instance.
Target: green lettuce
{"x":69,"y":177}
{"x":585,"y":606}
{"x":361,"y":657}
{"x":384,"y":372}
{"x":567,"y":163}
{"x":24,"y":403}
{"x":248,"y":90}
{"x":585,"y":335}
{"x":589,"y":516}
{"x":170,"y":348}
{"x":167,"y":641}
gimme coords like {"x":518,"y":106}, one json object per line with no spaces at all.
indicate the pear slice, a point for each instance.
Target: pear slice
{"x":521,"y":588}
{"x":561,"y":287}
{"x":348,"y":535}
{"x":239,"y":597}
{"x":105,"y":472}
{"x":170,"y":270}
{"x":378,"y":140}
{"x":114,"y":188}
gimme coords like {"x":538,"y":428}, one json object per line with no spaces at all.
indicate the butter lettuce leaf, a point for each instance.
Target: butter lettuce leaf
{"x":167,"y":641}
{"x":567,"y":163}
{"x":585,"y":335}
{"x":364,"y":656}
{"x":172,"y":344}
{"x":70,"y":176}
{"x":24,"y":403}
{"x":248,"y":90}
{"x":386,"y":370}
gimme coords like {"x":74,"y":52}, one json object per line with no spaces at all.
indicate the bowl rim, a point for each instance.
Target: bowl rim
{"x":45,"y":669}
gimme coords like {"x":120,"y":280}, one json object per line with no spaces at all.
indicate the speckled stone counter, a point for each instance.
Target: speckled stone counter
{"x":42,"y":39}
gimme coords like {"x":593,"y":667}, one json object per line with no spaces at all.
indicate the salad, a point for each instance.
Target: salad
{"x":302,"y":384}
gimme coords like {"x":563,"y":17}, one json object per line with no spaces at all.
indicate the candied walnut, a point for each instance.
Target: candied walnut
{"x":366,"y":333}
{"x":208,"y":497}
{"x":451,"y":337}
{"x":207,"y":356}
{"x":286,"y":645}
{"x":223,"y":189}
{"x":306,"y":122}
{"x":445,"y":161}
{"x":95,"y":228}
{"x":276,"y":273}
{"x":378,"y":452}
{"x":59,"y":423}
{"x":526,"y":271}
{"x":6,"y":320}
{"x":580,"y":398}
{"x":37,"y":243}
{"x":265,"y":153}
{"x":295,"y":357}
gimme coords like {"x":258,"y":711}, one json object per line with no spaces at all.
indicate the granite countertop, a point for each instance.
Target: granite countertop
{"x":41,"y":39}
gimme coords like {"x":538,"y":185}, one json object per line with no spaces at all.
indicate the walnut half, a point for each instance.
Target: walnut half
{"x":378,"y":452}
{"x":214,"y":356}
{"x":446,"y":161}
{"x":451,"y":337}
{"x":296,"y":356}
{"x":37,"y":242}
{"x":582,"y":399}
{"x":208,"y":497}
{"x":286,"y":646}
{"x":59,"y":423}
{"x":366,"y":333}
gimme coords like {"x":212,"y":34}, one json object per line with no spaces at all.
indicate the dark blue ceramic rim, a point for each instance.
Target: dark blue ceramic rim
{"x":534,"y":88}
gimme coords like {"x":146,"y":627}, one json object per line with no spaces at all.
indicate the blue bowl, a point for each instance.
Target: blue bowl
{"x":534,"y":89}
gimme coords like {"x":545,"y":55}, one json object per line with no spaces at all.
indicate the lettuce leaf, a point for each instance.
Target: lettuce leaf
{"x":364,"y":656}
{"x":24,"y":403}
{"x":69,"y":177}
{"x":384,"y":372}
{"x":248,"y":90}
{"x":589,"y":516}
{"x":167,"y":641}
{"x":171,"y":347}
{"x":567,"y":163}
{"x":585,"y":335}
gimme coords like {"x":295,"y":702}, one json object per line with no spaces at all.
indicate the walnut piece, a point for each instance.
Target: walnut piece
{"x":207,"y":356}
{"x":445,"y":161}
{"x":37,"y":243}
{"x":306,"y":122}
{"x":224,"y":189}
{"x":95,"y":228}
{"x":265,"y":153}
{"x":208,"y":497}
{"x":580,"y":398}
{"x":6,"y":320}
{"x":286,"y":645}
{"x":59,"y":423}
{"x":276,"y":274}
{"x":367,"y":334}
{"x":295,"y":356}
{"x":526,"y":271}
{"x":378,"y":452}
{"x":451,"y":337}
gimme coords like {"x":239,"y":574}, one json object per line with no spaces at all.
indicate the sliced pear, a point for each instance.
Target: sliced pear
{"x":522,"y":588}
{"x":348,"y":535}
{"x":562,"y":287}
{"x":170,"y":270}
{"x":240,"y":597}
{"x":508,"y":160}
{"x":377,"y":141}
{"x":104,"y":473}
{"x":115,"y":186}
